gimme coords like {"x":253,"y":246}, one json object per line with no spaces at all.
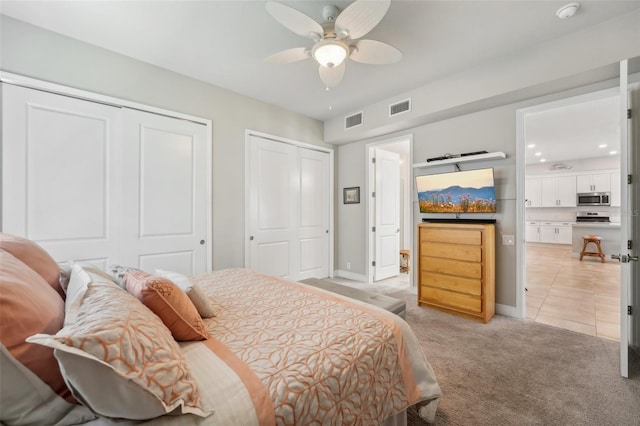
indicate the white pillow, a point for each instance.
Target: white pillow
{"x":79,"y":278}
{"x":195,"y":293}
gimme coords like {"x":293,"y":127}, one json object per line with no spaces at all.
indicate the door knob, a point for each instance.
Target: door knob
{"x":615,"y":256}
{"x":201,"y":242}
{"x":634,"y":258}
{"x":251,"y":238}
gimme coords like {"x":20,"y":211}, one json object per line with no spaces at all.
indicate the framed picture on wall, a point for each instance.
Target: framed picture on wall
{"x":351,"y":195}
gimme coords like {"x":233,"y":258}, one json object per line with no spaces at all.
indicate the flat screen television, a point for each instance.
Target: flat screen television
{"x":469,"y":191}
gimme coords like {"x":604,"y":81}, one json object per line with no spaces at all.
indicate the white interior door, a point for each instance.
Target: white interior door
{"x":164,"y":169}
{"x":273,"y":191}
{"x":313,"y":211}
{"x":61,"y":175}
{"x":629,"y":224}
{"x":387,"y":214}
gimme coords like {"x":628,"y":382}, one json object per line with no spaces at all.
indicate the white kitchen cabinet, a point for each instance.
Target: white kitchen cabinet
{"x":555,"y":232}
{"x":564,"y":233}
{"x":532,"y":192}
{"x":532,"y":231}
{"x":615,"y":189}
{"x":600,"y":182}
{"x":558,"y":191}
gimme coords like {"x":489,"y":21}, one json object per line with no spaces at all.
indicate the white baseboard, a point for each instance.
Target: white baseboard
{"x":506,"y":310}
{"x":350,"y":276}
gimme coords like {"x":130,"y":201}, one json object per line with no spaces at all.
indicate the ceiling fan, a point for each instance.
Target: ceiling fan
{"x":337,"y":39}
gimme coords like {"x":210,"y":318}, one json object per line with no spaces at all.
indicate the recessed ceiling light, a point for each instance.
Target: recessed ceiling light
{"x":542,"y":160}
{"x":613,"y":152}
{"x":538,"y":154}
{"x":568,"y":10}
{"x":531,"y":145}
{"x":602,"y":145}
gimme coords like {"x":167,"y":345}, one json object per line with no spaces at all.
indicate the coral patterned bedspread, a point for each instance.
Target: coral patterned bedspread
{"x":287,"y":353}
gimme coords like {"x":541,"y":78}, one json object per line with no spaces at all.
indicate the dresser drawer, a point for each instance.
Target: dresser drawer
{"x":451,"y":251}
{"x":448,"y":282}
{"x":451,"y":267}
{"x":451,"y":235}
{"x":448,"y":299}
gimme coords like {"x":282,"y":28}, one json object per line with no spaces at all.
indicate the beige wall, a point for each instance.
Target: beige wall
{"x":34,"y":52}
{"x":476,"y":110}
{"x":491,"y":130}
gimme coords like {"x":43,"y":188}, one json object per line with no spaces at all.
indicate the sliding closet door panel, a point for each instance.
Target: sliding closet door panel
{"x":167,"y":170}
{"x":273,"y":258}
{"x":173,"y":261}
{"x":272,"y":207}
{"x":164,"y":170}
{"x":60,"y":177}
{"x":313,"y":230}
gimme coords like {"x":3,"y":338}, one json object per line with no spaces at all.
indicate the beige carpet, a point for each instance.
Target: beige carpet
{"x":513,"y":372}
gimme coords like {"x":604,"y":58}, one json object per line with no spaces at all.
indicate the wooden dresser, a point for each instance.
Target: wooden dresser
{"x":456,"y":268}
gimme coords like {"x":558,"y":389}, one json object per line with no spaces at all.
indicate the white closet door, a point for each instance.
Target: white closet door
{"x":273,"y":194}
{"x":313,"y":228}
{"x":387,"y":210}
{"x":60,"y":174}
{"x":164,"y":193}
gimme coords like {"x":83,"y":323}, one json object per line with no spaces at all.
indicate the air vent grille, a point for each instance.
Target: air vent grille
{"x":353,"y":120}
{"x":399,"y":107}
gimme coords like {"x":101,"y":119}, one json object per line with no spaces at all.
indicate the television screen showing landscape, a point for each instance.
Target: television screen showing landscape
{"x":469,"y":191}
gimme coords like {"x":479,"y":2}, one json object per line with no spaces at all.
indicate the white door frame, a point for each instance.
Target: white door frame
{"x":521,"y":115}
{"x":32,"y":83}
{"x":370,"y":206}
{"x":247,"y":162}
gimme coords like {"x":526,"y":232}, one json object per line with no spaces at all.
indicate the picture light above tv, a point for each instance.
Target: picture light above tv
{"x":469,"y":191}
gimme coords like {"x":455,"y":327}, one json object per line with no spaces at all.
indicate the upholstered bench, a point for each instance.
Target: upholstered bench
{"x":398,"y":307}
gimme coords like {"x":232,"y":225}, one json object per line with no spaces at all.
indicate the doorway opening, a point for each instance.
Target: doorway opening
{"x":388,"y":198}
{"x":570,"y":147}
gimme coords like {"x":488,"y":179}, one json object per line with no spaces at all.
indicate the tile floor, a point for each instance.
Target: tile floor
{"x":583,"y":296}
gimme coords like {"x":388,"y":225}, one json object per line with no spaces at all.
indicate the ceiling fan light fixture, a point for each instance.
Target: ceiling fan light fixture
{"x":330,"y":53}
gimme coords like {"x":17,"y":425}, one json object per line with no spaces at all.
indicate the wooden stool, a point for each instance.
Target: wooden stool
{"x":404,"y":261}
{"x":586,"y":239}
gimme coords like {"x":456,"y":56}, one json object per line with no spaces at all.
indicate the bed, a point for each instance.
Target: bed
{"x":271,"y":351}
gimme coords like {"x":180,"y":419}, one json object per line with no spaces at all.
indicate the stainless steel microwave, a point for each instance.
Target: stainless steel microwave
{"x":593,"y":199}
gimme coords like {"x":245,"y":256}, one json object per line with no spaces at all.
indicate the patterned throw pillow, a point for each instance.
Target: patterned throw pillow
{"x":118,"y":272}
{"x":118,"y":344}
{"x":170,"y":303}
{"x":195,"y":293}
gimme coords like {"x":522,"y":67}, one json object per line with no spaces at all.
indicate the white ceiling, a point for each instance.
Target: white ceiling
{"x":585,"y":129}
{"x":225,"y":43}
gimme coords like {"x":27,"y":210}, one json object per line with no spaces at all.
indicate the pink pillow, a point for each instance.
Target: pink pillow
{"x":35,"y":257}
{"x":170,"y":303}
{"x":28,"y":305}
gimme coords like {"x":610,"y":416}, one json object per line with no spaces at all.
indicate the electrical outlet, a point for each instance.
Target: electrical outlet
{"x":348,"y":265}
{"x":508,"y":240}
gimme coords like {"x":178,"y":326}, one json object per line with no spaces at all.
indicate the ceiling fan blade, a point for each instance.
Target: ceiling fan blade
{"x":288,"y":56}
{"x":360,"y":17}
{"x":331,"y":77}
{"x":375,"y":52}
{"x":294,"y":20}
